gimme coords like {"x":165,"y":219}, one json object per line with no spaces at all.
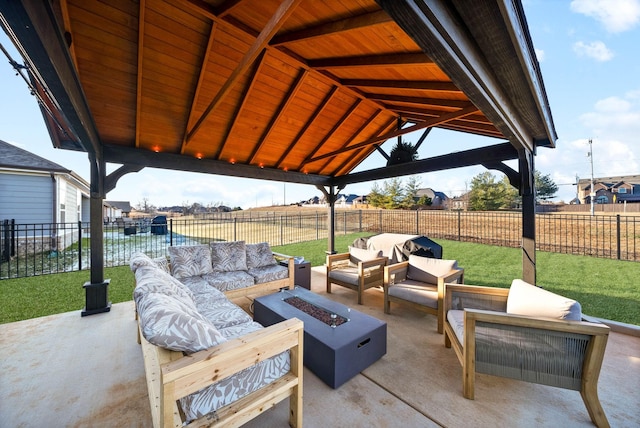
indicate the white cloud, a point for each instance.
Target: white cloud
{"x":596,"y":50}
{"x":615,"y":15}
{"x":539,"y":54}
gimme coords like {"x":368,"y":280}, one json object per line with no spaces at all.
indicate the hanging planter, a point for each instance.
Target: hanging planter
{"x":402,"y":152}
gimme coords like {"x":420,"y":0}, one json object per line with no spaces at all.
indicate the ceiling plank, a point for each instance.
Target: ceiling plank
{"x":201,"y":77}
{"x":355,"y":135}
{"x":142,"y":7}
{"x":422,"y":101}
{"x":488,"y":155}
{"x":317,"y":112}
{"x":428,"y":85}
{"x":283,"y":12}
{"x":409,"y":59}
{"x":427,"y":123}
{"x":329,"y":134}
{"x":365,"y":20}
{"x":293,"y":90}
{"x":426,"y":113}
{"x":241,"y":105}
{"x":227,"y":7}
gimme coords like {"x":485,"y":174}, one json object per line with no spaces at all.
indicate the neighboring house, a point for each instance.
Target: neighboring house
{"x":610,"y":190}
{"x":117,"y":209}
{"x":438,"y":199}
{"x":34,"y":190}
{"x":459,"y":203}
{"x":346,"y":200}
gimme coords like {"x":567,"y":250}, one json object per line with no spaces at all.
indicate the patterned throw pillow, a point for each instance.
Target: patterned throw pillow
{"x":259,"y":255}
{"x":190,"y":260}
{"x":426,"y":269}
{"x":228,"y":256}
{"x":168,"y":323}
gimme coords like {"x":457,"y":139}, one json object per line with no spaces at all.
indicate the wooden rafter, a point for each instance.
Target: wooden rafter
{"x":227,"y":7}
{"x":424,"y":113}
{"x":238,"y":113}
{"x":293,"y":90}
{"x":201,"y":75}
{"x":409,"y":59}
{"x":317,"y":112}
{"x":428,"y":85}
{"x":64,"y":7}
{"x":421,"y":101}
{"x":363,"y":152}
{"x":283,"y":12}
{"x":142,"y":8}
{"x":335,"y":127}
{"x":427,"y":123}
{"x":356,"y":22}
{"x":355,"y":135}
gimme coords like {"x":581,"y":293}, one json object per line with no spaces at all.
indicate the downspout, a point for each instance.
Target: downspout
{"x":53,"y":244}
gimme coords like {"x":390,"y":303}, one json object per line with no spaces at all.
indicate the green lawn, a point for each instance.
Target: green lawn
{"x":605,"y":288}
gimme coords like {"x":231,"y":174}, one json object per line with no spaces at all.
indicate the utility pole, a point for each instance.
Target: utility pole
{"x":592,"y":193}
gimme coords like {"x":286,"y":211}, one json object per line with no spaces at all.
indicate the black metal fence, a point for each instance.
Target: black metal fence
{"x":38,"y":249}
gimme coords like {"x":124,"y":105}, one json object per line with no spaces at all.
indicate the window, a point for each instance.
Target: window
{"x":622,"y":190}
{"x":602,"y":200}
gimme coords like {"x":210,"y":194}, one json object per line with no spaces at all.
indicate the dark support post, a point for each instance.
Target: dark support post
{"x":330,"y":197}
{"x":528,"y":193}
{"x":96,"y":290}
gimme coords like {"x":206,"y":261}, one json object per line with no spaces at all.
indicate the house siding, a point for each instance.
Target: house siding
{"x":26,"y":198}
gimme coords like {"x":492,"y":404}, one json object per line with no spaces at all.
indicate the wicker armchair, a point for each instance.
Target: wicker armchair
{"x":544,"y":350}
{"x":358,"y":270}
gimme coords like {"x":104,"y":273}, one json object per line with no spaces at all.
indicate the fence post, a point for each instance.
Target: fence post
{"x":459,"y":232}
{"x":171,"y":232}
{"x":235,"y":229}
{"x":417,"y":222}
{"x":281,"y":231}
{"x":79,"y":245}
{"x":380,"y":222}
{"x":360,"y":221}
{"x":618,"y":234}
{"x":317,"y":226}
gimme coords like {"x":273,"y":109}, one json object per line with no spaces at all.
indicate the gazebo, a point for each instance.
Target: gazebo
{"x":295,"y":91}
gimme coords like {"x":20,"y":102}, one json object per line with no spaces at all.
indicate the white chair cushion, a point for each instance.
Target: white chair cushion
{"x":426,"y":269}
{"x":416,"y":292}
{"x":357,"y":255}
{"x":527,"y":299}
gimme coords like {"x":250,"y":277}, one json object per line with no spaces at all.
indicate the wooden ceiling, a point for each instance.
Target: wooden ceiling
{"x":275,"y":89}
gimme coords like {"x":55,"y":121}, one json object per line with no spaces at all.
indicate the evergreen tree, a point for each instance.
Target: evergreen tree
{"x":546,"y":188}
{"x":487,"y":194}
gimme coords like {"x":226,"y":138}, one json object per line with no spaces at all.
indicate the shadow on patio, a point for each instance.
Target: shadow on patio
{"x":64,"y":370}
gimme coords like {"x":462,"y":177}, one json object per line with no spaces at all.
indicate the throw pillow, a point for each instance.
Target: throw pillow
{"x":259,"y":255}
{"x":527,"y":299}
{"x":357,"y":255}
{"x":228,"y":256}
{"x":426,"y":269}
{"x":190,"y":260}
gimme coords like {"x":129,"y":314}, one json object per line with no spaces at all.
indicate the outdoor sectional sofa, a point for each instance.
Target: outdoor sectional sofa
{"x":206,"y":361}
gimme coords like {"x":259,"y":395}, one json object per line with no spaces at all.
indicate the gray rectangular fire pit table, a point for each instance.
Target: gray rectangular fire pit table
{"x":334,"y":354}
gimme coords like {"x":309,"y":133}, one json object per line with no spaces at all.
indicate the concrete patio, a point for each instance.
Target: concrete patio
{"x":68,"y":371}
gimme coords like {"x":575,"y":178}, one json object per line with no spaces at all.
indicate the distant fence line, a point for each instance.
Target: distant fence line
{"x":37,"y":249}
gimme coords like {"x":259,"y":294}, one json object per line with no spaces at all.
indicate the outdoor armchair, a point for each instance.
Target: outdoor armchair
{"x":525,"y":333}
{"x":359,"y":270}
{"x":419,"y":283}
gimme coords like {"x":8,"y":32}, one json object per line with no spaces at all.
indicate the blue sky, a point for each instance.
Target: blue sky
{"x":588,"y":53}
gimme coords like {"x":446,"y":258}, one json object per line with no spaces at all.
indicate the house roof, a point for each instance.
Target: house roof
{"x":16,"y":158}
{"x":125,"y":206}
{"x":291,"y":90}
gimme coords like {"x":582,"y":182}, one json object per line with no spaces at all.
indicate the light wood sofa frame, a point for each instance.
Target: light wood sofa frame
{"x":370,"y":273}
{"x":400,"y":272}
{"x":172,"y":375}
{"x":495,"y":300}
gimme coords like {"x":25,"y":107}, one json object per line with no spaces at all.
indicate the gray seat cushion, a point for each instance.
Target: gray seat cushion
{"x":225,"y":281}
{"x":268,"y":273}
{"x":417,"y":292}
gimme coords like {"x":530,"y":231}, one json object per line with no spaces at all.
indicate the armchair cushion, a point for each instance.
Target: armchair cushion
{"x":259,"y":255}
{"x":416,"y":292}
{"x":348,"y":274}
{"x":527,"y":299}
{"x":426,"y":269}
{"x":357,"y":255}
{"x":190,"y":260}
{"x":228,"y":256}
